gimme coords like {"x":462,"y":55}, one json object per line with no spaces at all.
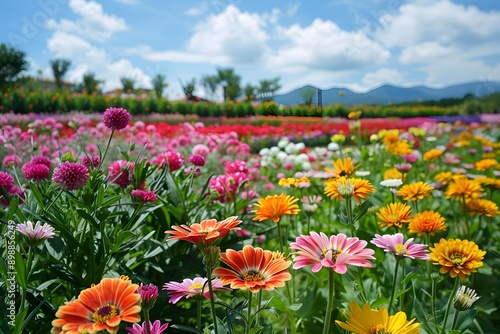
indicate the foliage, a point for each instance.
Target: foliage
{"x":59,"y":69}
{"x":12,"y":63}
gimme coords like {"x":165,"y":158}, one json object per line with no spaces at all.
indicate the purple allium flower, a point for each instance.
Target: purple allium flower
{"x":144,"y":195}
{"x":116,"y":118}
{"x":155,"y":328}
{"x":11,"y":160}
{"x":148,"y":292}
{"x":90,"y":162}
{"x":35,"y":172}
{"x":197,"y":160}
{"x":37,"y":232}
{"x":38,"y":159}
{"x":121,"y":172}
{"x":71,"y":175}
{"x":395,"y":244}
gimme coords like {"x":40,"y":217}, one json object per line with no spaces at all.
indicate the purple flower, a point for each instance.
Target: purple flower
{"x":155,"y":328}
{"x":37,"y":232}
{"x":395,"y":244}
{"x":70,"y":175}
{"x":197,"y":160}
{"x":116,"y":118}
{"x":144,"y":195}
{"x":35,"y":172}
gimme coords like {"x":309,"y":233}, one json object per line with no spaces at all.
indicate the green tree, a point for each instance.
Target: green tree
{"x":159,"y":83}
{"x":188,"y":88}
{"x":127,"y":85}
{"x":210,"y":83}
{"x":308,"y":95}
{"x":250,"y":92}
{"x":267,"y":88}
{"x":230,"y":82}
{"x":12,"y":63}
{"x":89,"y":83}
{"x":59,"y":68}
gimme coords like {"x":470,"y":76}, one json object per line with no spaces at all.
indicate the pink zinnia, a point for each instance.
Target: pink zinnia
{"x":336,"y":252}
{"x":395,"y":244}
{"x":70,"y":175}
{"x":37,"y":232}
{"x":144,"y":195}
{"x":35,"y":172}
{"x":410,"y":158}
{"x":403,"y":168}
{"x":155,"y":328}
{"x":116,"y":118}
{"x":90,"y":162}
{"x":197,"y":160}
{"x":121,"y":172}
{"x":191,"y":287}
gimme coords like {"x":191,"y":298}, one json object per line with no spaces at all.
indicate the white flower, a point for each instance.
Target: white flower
{"x":273,"y":151}
{"x":300,"y":146}
{"x":281,"y":156}
{"x":362,"y":173}
{"x":320,"y":151}
{"x":333,"y":146}
{"x":431,"y":138}
{"x":291,"y":148}
{"x":283,"y":142}
{"x":306,"y":165}
{"x":391,"y":183}
{"x":464,"y":298}
{"x":264,"y":151}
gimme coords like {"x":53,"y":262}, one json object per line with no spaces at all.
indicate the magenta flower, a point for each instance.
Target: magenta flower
{"x":90,"y":161}
{"x":6,"y":180}
{"x":39,"y":159}
{"x":35,"y":172}
{"x":395,"y":244}
{"x":147,"y":291}
{"x":197,"y":160}
{"x":174,"y":160}
{"x":116,"y":118}
{"x":336,"y":252}
{"x":155,"y":328}
{"x":191,"y":287}
{"x":144,"y":195}
{"x":11,"y":160}
{"x":121,"y":172}
{"x":37,"y":232}
{"x":70,"y":175}
{"x":201,"y":149}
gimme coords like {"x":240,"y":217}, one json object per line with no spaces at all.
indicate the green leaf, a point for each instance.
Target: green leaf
{"x":21,"y":315}
{"x":36,"y":193}
{"x":465,"y":319}
{"x":172,"y":190}
{"x":295,"y":307}
{"x":82,"y":213}
{"x":255,"y":330}
{"x":186,"y":329}
{"x":20,"y":271}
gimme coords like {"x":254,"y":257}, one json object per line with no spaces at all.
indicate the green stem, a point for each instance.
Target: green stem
{"x":259,"y":301}
{"x":212,"y":301}
{"x":455,"y":318}
{"x":448,"y":306}
{"x":106,"y":150}
{"x":148,"y":323}
{"x":198,"y":314}
{"x":361,"y":286}
{"x":279,"y":236}
{"x":433,"y":303}
{"x":393,"y":289}
{"x":348,"y":202}
{"x":466,"y":226}
{"x":329,"y":305}
{"x":54,"y":200}
{"x":249,"y":314}
{"x":401,"y":297}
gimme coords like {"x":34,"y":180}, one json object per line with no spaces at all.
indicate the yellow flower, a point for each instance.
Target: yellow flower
{"x":464,"y":188}
{"x":394,"y":214}
{"x":389,"y":136}
{"x":276,"y":206}
{"x":482,"y":207}
{"x":485,"y":164}
{"x":415,"y":191}
{"x":458,"y":257}
{"x":286,"y":181}
{"x":427,"y":222}
{"x":489,"y":182}
{"x":354,"y":114}
{"x":447,"y":177}
{"x":417,"y":132}
{"x":399,"y":147}
{"x":343,"y":167}
{"x":338,"y":138}
{"x":392,"y":173}
{"x":432,"y":154}
{"x":343,"y":187}
{"x":371,"y":321}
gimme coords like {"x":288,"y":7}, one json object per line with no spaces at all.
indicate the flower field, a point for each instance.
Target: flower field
{"x":119,"y":224}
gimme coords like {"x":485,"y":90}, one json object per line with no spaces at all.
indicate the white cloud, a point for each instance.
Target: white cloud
{"x":128,"y":2}
{"x":382,"y":76}
{"x":194,"y":11}
{"x":324,"y":46}
{"x":292,"y":8}
{"x":93,"y":22}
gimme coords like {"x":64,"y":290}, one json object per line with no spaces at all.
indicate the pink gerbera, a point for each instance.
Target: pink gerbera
{"x":191,"y":287}
{"x":336,"y":252}
{"x":395,"y":244}
{"x":154,"y":328}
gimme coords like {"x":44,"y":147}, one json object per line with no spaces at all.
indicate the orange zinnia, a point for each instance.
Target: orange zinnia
{"x":100,"y":308}
{"x":432,"y":154}
{"x":394,"y":214}
{"x":343,"y":187}
{"x":276,"y":206}
{"x":464,"y":188}
{"x":458,"y":257}
{"x":427,"y":222}
{"x":343,"y":167}
{"x":206,"y":232}
{"x":415,"y":191}
{"x":485,"y":164}
{"x":482,"y":207}
{"x":253,"y":269}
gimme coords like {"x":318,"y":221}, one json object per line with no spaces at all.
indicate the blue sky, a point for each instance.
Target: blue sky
{"x":355,"y":44}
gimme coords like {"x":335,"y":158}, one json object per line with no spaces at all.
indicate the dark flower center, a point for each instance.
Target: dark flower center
{"x":252,"y":275}
{"x":104,"y":313}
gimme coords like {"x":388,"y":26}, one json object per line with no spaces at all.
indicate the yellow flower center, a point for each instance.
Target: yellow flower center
{"x":378,"y":329}
{"x":346,"y":189}
{"x":457,"y":259}
{"x":401,"y":249}
{"x":196,"y":286}
{"x":252,"y":275}
{"x":104,"y":313}
{"x":335,"y":253}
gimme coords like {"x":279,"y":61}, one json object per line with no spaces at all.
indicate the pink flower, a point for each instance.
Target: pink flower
{"x":191,"y":287}
{"x":38,"y":159}
{"x":237,"y":166}
{"x":116,"y":118}
{"x":35,"y":172}
{"x":37,"y":232}
{"x":174,"y":160}
{"x":410,"y":158}
{"x":336,"y":252}
{"x":201,"y":149}
{"x":148,"y":292}
{"x":6,"y":180}
{"x":395,"y":244}
{"x":90,"y":162}
{"x":155,"y":328}
{"x":121,"y":172}
{"x":11,"y":160}
{"x":197,"y":160}
{"x":288,"y":165}
{"x":70,"y":175}
{"x":144,"y":195}
{"x":403,"y":168}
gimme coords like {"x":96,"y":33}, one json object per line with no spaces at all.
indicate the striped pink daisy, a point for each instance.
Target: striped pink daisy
{"x":394,"y":243}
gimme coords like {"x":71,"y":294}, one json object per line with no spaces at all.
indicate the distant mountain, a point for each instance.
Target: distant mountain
{"x":386,"y":94}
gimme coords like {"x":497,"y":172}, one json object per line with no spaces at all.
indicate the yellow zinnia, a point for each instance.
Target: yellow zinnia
{"x":371,"y":321}
{"x":432,"y":154}
{"x":482,"y":207}
{"x":392,"y":173}
{"x":276,"y":206}
{"x":343,"y":187}
{"x":485,"y":164}
{"x":458,"y":257}
{"x":343,"y":167}
{"x":464,"y":188}
{"x":394,"y":214}
{"x":415,"y":191}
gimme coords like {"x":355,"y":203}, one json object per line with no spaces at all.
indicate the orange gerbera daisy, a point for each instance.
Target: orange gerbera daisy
{"x":343,"y":167}
{"x":253,"y":269}
{"x":394,"y":214}
{"x":464,"y":188}
{"x":276,"y":206}
{"x":353,"y":187}
{"x":485,"y":164}
{"x":427,"y":222}
{"x":100,"y":308}
{"x":458,"y":257}
{"x":415,"y":191}
{"x":204,"y":233}
{"x":432,"y":154}
{"x":482,"y":207}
